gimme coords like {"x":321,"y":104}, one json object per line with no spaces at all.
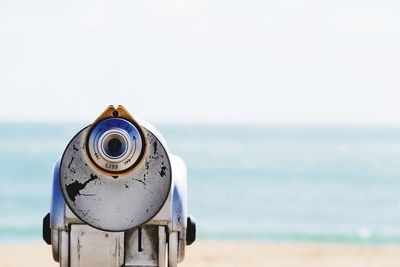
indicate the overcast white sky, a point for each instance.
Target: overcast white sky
{"x":293,"y":61}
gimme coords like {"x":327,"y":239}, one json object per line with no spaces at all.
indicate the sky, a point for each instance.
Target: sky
{"x":218,"y":61}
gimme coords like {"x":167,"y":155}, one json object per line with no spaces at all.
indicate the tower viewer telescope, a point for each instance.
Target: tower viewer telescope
{"x":119,"y":198}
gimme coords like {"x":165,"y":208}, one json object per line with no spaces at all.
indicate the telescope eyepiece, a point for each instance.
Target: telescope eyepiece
{"x":115,"y":145}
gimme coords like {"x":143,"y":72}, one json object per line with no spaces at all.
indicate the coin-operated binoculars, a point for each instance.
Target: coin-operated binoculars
{"x":119,"y":198}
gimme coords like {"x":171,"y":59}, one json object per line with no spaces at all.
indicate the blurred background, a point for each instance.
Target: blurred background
{"x":286,"y":112}
{"x":257,"y":182}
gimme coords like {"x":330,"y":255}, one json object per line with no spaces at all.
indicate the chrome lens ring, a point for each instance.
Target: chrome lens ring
{"x":114,"y":145}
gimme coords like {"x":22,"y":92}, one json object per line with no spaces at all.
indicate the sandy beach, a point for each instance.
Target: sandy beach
{"x":236,"y":253}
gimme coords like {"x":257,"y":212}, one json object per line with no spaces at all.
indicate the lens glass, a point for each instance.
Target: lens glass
{"x":115,"y":145}
{"x":115,"y":148}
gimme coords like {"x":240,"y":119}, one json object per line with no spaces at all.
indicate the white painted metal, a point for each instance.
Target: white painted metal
{"x":162,"y":246}
{"x":55,"y":249}
{"x":90,"y":247}
{"x":179,"y":204}
{"x":142,"y":246}
{"x":115,"y":203}
{"x":173,"y":249}
{"x":64,"y":248}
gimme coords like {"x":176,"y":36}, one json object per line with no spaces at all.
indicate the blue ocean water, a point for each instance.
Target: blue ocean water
{"x":291,"y":183}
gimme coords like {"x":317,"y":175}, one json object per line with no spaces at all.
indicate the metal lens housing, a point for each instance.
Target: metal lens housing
{"x":115,"y":145}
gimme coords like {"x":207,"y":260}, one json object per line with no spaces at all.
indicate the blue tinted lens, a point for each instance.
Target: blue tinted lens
{"x":114,"y":148}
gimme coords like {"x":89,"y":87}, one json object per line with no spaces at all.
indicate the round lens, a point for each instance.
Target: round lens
{"x":115,"y":147}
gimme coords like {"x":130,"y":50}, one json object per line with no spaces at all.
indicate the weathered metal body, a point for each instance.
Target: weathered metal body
{"x":135,"y":219}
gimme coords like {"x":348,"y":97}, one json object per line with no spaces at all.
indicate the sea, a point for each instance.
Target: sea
{"x":330,"y":184}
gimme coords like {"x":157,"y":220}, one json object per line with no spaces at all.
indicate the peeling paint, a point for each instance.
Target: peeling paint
{"x":101,"y":200}
{"x":74,"y":189}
